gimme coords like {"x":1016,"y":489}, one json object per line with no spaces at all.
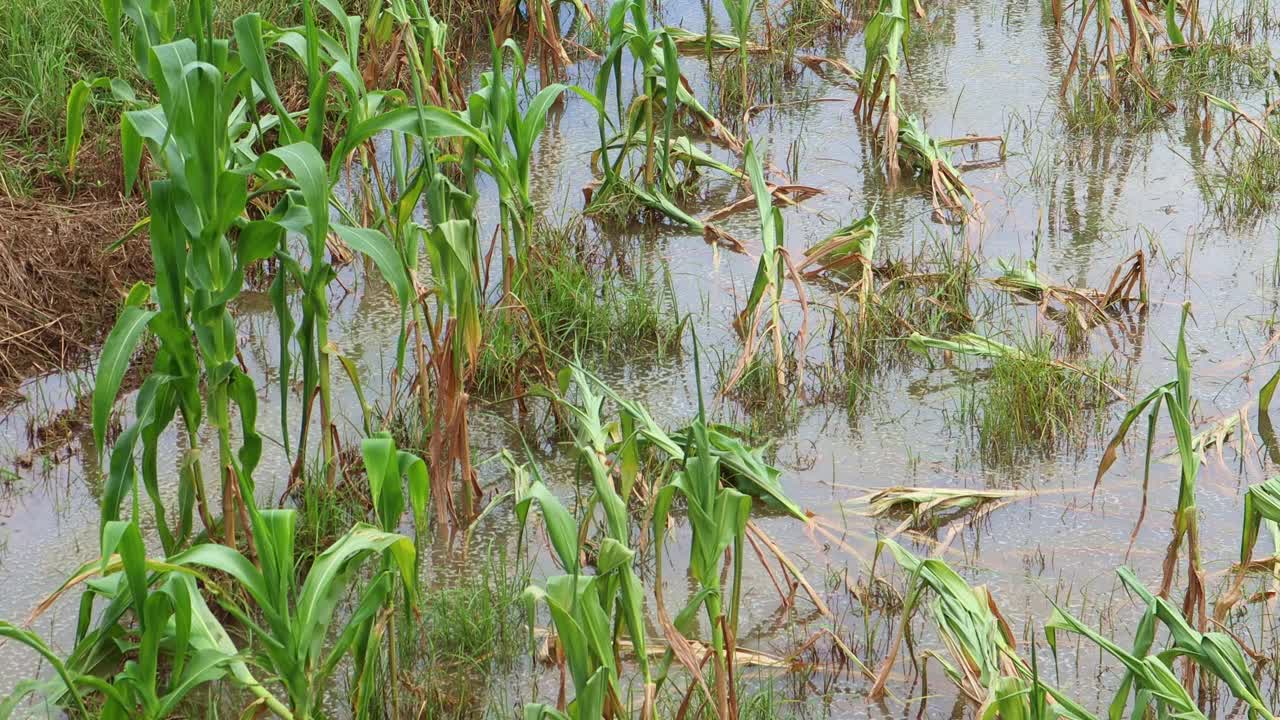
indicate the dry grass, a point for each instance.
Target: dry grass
{"x":60,"y":288}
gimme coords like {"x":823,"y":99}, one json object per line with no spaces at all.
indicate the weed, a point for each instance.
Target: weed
{"x":1031,"y":403}
{"x":570,"y":301}
{"x":470,"y":634}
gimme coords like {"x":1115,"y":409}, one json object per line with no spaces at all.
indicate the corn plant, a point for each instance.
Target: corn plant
{"x":718,"y":518}
{"x":174,"y":626}
{"x":1261,"y":506}
{"x":1119,"y":54}
{"x":985,"y":663}
{"x":740,"y":13}
{"x":323,"y":56}
{"x":385,"y":467}
{"x":495,"y":135}
{"x":1149,"y":676}
{"x":848,"y":249}
{"x":772,"y":270}
{"x":205,"y":139}
{"x":886,"y":35}
{"x":1176,"y":396}
{"x":930,"y":158}
{"x":662,"y":99}
{"x":1216,"y":653}
{"x":589,"y":612}
{"x":544,"y":33}
{"x":297,"y":645}
{"x":903,"y":145}
{"x":181,"y":645}
{"x":512,"y":130}
{"x":198,"y":271}
{"x":1154,"y":684}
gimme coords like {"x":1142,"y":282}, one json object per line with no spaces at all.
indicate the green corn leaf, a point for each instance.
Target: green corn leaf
{"x":379,"y":248}
{"x":117,"y":352}
{"x":49,"y":690}
{"x":308,"y":169}
{"x":77,"y":104}
{"x":322,"y":591}
{"x":382,"y":469}
{"x":561,"y":527}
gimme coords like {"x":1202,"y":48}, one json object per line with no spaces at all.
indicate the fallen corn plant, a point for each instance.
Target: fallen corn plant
{"x":1084,"y":307}
{"x":977,"y":345}
{"x":764,"y":302}
{"x":985,"y":664}
{"x":648,"y":127}
{"x":933,"y":507}
{"x":848,"y":252}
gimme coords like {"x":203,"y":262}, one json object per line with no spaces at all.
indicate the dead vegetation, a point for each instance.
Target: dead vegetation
{"x":60,"y":285}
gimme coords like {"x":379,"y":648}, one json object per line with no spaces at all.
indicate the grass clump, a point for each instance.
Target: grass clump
{"x":571,"y":301}
{"x":929,"y":292}
{"x":471,"y":633}
{"x":1034,"y":403}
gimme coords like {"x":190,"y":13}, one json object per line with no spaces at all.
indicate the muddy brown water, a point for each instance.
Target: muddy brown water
{"x":1076,"y":202}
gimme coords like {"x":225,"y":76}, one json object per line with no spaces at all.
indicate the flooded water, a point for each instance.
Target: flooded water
{"x":1076,"y":202}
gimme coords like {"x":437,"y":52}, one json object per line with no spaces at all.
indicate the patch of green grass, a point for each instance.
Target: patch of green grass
{"x":763,"y":703}
{"x":1246,"y":182}
{"x":44,"y":48}
{"x":930,"y":292}
{"x":403,"y":417}
{"x":1146,"y":96}
{"x":1031,"y":404}
{"x":766,"y":405}
{"x":572,"y":302}
{"x":325,"y":513}
{"x":471,"y":633}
